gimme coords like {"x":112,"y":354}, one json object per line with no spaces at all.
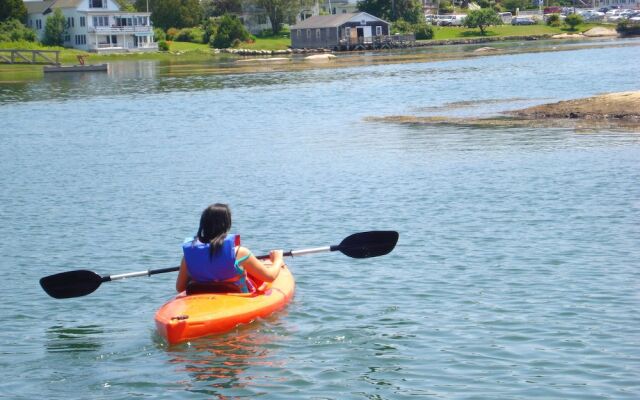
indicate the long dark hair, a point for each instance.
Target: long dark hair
{"x":215,"y":223}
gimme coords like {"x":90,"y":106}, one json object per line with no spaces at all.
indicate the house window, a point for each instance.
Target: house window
{"x":378,"y":31}
{"x":318,"y":34}
{"x":81,"y":39}
{"x":98,"y":3}
{"x":101,"y":21}
{"x":83,"y":21}
{"x":67,"y":38}
{"x":30,"y":23}
{"x":347,"y":32}
{"x":71,"y":22}
{"x":38,"y":24}
{"x":298,"y":32}
{"x":308,"y":33}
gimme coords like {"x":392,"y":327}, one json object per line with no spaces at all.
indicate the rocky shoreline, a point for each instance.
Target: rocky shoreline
{"x":593,"y":33}
{"x":622,"y":106}
{"x":611,"y":110}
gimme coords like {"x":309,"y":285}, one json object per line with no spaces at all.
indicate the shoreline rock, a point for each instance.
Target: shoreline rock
{"x":600,"y":32}
{"x":612,"y":110}
{"x":623,"y":106}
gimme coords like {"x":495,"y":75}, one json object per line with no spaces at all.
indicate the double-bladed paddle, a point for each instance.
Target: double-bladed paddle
{"x":82,"y":282}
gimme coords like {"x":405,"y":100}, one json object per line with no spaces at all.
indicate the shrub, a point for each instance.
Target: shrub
{"x":193,"y":35}
{"x":423,"y":31}
{"x":628,"y":28}
{"x":573,"y":20}
{"x":171,"y":33}
{"x":13,"y":31}
{"x":229,"y":29}
{"x":159,"y":34}
{"x":445,"y":7}
{"x":163,"y":45}
{"x":401,"y":26}
{"x":554,"y":20}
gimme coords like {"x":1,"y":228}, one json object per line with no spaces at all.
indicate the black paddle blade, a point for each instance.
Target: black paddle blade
{"x":369,"y":244}
{"x":71,"y":284}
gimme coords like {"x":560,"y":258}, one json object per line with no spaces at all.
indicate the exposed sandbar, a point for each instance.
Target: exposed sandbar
{"x":613,"y":110}
{"x":612,"y":106}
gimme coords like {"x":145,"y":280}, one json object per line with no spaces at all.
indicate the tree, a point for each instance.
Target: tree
{"x":393,"y":10}
{"x":409,"y":10}
{"x":511,"y":5}
{"x":125,"y":5}
{"x":13,"y":9}
{"x":481,"y":19}
{"x":55,"y":29}
{"x":167,"y":14}
{"x":230,"y":29}
{"x":216,"y":8}
{"x":12,"y":30}
{"x":280,"y":11}
{"x":573,"y":20}
{"x":379,"y":8}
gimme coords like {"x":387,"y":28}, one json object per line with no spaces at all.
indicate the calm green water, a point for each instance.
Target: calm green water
{"x":515,"y":277}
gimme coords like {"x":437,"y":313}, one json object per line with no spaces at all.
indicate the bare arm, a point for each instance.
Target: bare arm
{"x":263,"y":272}
{"x":183,"y":277}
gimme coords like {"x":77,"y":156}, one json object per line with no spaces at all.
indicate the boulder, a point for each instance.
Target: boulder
{"x":320,"y":57}
{"x":600,"y":32}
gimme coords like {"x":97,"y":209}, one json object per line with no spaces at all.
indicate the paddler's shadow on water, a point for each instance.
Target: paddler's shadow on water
{"x":79,"y":339}
{"x":222,"y":361}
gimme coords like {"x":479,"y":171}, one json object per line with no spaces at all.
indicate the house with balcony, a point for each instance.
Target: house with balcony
{"x":95,"y":25}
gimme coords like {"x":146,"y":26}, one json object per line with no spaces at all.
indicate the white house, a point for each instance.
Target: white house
{"x":95,"y":25}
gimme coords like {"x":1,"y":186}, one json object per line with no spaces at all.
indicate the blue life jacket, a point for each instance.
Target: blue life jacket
{"x":219,"y":267}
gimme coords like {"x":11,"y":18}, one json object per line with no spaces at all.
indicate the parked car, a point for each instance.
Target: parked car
{"x":552,"y":10}
{"x":592,"y":15}
{"x":451,"y":20}
{"x":523,"y":21}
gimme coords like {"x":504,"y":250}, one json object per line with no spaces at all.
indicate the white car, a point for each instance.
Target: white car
{"x":451,"y":20}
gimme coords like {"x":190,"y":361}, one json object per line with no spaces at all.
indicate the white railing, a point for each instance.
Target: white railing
{"x":120,"y":29}
{"x":152,"y":45}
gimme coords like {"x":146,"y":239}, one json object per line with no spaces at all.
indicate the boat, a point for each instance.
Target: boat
{"x":191,"y":316}
{"x":76,"y":68}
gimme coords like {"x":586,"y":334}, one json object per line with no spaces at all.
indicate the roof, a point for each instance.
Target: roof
{"x":331,"y":21}
{"x":37,"y":7}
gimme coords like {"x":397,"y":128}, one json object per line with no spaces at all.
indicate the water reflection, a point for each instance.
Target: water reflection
{"x":84,"y":338}
{"x":223,"y":362}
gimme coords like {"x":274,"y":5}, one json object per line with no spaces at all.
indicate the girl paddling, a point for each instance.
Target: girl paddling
{"x":215,"y":257}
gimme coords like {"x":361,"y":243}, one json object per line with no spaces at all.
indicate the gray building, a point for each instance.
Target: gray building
{"x":339,"y":31}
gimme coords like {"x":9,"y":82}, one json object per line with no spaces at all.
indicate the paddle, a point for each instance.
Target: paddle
{"x":82,"y":282}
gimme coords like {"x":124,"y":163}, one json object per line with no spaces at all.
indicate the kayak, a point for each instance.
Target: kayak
{"x":187,"y":317}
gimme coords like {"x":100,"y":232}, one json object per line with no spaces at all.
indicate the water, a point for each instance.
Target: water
{"x":515,"y":276}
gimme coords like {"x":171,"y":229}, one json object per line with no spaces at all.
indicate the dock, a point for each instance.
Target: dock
{"x":76,"y":68}
{"x":17,"y":56}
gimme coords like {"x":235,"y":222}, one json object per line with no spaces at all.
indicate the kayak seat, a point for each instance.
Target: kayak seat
{"x":212,"y":287}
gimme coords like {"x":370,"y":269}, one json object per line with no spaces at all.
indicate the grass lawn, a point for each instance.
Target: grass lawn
{"x":188,"y":47}
{"x":280,"y":42}
{"x":456,"y":32}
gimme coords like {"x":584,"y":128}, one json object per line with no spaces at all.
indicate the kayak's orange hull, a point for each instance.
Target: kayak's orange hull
{"x":188,"y":317}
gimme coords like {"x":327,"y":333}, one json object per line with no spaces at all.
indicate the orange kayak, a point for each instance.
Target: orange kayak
{"x":187,"y":317}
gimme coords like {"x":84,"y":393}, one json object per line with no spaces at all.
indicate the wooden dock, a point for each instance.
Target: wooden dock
{"x":77,"y":68}
{"x":15,"y":56}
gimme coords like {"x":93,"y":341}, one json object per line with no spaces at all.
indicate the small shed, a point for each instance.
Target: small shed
{"x":333,"y":31}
